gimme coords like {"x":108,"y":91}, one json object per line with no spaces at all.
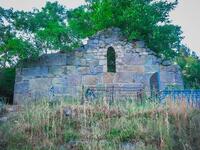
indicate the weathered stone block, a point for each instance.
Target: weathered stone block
{"x":61,"y":90}
{"x":78,"y":54}
{"x":72,"y":70}
{"x":108,"y":77}
{"x":91,"y":44}
{"x":74,"y":79}
{"x":57,"y":71}
{"x":56,"y":59}
{"x":172,"y":68}
{"x":124,"y":77}
{"x":168,"y":77}
{"x":22,"y":87}
{"x":132,"y":68}
{"x":140,"y":50}
{"x":178,"y":77}
{"x":84,"y":70}
{"x":166,"y":63}
{"x":133,"y":59}
{"x":103,"y":62}
{"x":102,"y":44}
{"x":89,"y":56}
{"x":133,"y":86}
{"x":93,"y":62}
{"x":35,"y":72}
{"x":143,"y":53}
{"x":91,"y":80}
{"x":151,"y":60}
{"x":18,"y":78}
{"x":96,"y":70}
{"x":18,"y":71}
{"x":59,"y":81}
{"x":40,"y":84}
{"x":80,"y":62}
{"x":138,"y":77}
{"x":69,"y":61}
{"x":21,"y":98}
{"x":140,"y":44}
{"x":38,"y":95}
{"x":151,"y":68}
{"x":110,"y":40}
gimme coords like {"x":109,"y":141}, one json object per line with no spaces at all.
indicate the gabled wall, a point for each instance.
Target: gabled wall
{"x":64,"y":75}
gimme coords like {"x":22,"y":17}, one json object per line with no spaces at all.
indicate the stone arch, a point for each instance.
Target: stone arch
{"x":111,"y":60}
{"x":154,"y":83}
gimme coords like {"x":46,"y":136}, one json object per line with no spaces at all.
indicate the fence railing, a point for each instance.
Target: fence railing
{"x":191,"y":96}
{"x":112,"y":93}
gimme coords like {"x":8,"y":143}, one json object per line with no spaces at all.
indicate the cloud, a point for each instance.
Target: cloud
{"x":187,"y":16}
{"x":28,"y":5}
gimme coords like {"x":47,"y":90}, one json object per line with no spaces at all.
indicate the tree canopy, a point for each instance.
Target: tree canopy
{"x":190,"y":66}
{"x":146,"y":20}
{"x":28,"y":34}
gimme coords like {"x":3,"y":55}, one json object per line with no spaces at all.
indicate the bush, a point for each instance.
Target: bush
{"x":7,"y":78}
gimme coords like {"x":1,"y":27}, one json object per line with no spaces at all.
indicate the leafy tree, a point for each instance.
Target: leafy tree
{"x":30,"y":34}
{"x":56,"y":28}
{"x":12,"y":46}
{"x":15,"y":49}
{"x":49,"y":27}
{"x":56,"y":37}
{"x":190,"y":65}
{"x":146,"y":20}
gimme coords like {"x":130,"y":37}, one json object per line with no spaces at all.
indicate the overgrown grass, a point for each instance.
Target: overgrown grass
{"x":66,"y":124}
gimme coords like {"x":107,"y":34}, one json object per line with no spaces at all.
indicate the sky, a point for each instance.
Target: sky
{"x":186,"y":15}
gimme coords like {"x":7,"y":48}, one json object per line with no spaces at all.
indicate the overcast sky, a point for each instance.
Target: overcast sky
{"x":187,"y":15}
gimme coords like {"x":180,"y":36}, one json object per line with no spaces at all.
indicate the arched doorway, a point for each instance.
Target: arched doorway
{"x":111,"y":60}
{"x":154,"y":84}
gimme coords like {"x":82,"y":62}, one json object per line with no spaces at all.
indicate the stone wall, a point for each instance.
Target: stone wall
{"x":170,"y":76}
{"x":64,"y":75}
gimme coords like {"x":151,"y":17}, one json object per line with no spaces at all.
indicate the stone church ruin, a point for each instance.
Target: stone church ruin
{"x":108,"y":60}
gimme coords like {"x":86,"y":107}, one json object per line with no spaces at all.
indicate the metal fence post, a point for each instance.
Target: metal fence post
{"x":82,"y":95}
{"x":112,"y":94}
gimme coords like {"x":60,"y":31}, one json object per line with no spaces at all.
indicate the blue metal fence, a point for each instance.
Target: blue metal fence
{"x":191,"y":96}
{"x":112,"y":93}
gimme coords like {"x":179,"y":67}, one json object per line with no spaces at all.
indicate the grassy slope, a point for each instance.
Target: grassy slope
{"x":69,"y":125}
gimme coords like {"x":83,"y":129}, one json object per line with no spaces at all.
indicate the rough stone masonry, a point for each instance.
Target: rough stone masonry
{"x":63,"y":75}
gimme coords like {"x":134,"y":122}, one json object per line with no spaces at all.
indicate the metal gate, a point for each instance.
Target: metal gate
{"x":112,"y":93}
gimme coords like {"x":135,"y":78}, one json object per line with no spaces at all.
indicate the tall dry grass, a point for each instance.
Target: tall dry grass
{"x":67,"y":124}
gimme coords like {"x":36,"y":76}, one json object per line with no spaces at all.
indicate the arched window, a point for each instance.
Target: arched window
{"x":111,"y":60}
{"x":154,"y":84}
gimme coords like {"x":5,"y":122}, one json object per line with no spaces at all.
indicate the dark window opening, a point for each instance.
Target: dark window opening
{"x":154,"y":84}
{"x":111,"y":60}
